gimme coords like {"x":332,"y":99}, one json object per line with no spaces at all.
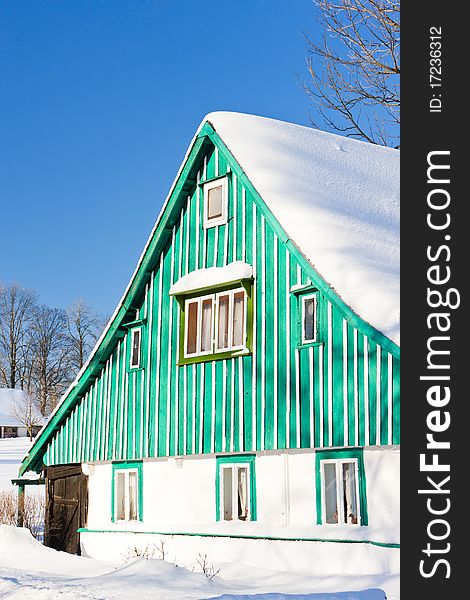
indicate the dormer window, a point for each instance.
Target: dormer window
{"x":215,"y":202}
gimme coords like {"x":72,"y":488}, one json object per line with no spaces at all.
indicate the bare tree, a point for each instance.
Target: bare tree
{"x":25,"y":409}
{"x":355,"y":68}
{"x":17,"y":306}
{"x":52,"y":371}
{"x":84,"y":327}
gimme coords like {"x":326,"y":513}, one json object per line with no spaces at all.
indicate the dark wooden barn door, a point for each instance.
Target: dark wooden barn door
{"x":66,"y":507}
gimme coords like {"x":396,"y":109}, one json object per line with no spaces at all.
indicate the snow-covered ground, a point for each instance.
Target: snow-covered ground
{"x":30,"y":571}
{"x":12,"y":451}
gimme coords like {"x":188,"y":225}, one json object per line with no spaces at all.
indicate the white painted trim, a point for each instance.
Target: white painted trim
{"x":222,"y":220}
{"x":315,"y":319}
{"x":356,"y":395}
{"x":241,"y":412}
{"x":275,"y":342}
{"x":288,"y":342}
{"x":390,"y":398}
{"x":330,"y":374}
{"x":149,"y":348}
{"x":338,"y":462}
{"x":254,"y":411}
{"x":297,"y":397}
{"x":133,"y":333}
{"x":263,"y":331}
{"x":321,"y":391}
{"x":366,"y":391}
{"x":310,"y":374}
{"x":378,"y":372}
{"x":345,"y":385}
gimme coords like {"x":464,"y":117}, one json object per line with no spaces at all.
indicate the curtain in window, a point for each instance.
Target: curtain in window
{"x":120,"y":496}
{"x":331,"y":508}
{"x":227,"y":493}
{"x":214,"y":202}
{"x":350,"y":498}
{"x":222,"y":341}
{"x":242,"y":493}
{"x":132,"y":496}
{"x":206,"y":326}
{"x":238,"y":314}
{"x":309,"y":319}
{"x":192,"y":328}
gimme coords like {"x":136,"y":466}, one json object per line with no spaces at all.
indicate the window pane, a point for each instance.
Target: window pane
{"x":120,"y":497}
{"x":214,"y":202}
{"x":309,"y":319}
{"x":206,"y":326}
{"x":132,"y":496}
{"x":135,"y":348}
{"x":331,"y":510}
{"x":191,"y":334}
{"x":238,"y":318}
{"x":222,"y":335}
{"x":227,"y":493}
{"x":350,"y":493}
{"x":242,"y":493}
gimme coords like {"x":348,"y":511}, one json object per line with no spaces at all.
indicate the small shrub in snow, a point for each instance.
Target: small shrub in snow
{"x":33,"y":512}
{"x":8,"y":507}
{"x":208,"y":569}
{"x":135,"y":552}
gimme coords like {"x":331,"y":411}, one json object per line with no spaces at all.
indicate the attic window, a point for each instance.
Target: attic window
{"x":215,"y":202}
{"x":136,"y":335}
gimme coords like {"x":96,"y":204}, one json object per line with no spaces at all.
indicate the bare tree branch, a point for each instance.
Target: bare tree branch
{"x":355,"y":68}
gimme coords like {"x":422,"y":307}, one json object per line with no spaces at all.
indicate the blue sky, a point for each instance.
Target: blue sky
{"x":99,"y":100}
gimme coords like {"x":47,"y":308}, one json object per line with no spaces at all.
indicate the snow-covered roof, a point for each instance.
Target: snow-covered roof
{"x":211,"y":277}
{"x":336,"y":198}
{"x":9,"y":398}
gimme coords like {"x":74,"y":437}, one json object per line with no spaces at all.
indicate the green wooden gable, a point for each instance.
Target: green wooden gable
{"x":341,"y":390}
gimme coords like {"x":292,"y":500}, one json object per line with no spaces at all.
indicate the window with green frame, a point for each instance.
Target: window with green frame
{"x":216,"y":324}
{"x":341,"y":487}
{"x":235,"y":488}
{"x":126,"y":492}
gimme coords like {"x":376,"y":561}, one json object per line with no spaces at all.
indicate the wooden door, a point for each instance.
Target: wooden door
{"x":66,"y":507}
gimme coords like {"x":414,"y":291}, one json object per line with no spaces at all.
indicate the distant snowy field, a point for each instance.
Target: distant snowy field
{"x":12,"y":451}
{"x":30,"y":571}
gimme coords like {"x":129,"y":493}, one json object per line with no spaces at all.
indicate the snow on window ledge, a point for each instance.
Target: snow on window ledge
{"x":213,"y":276}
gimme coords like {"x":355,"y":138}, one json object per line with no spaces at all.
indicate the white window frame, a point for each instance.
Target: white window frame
{"x":126,"y":472}
{"x":215,"y":320}
{"x":133,"y":332}
{"x":315,"y":322}
{"x":338,"y":462}
{"x":235,"y":466}
{"x":222,"y":220}
{"x":199,"y":302}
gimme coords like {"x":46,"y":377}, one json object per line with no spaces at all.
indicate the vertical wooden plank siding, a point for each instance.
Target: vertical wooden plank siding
{"x":342,"y":390}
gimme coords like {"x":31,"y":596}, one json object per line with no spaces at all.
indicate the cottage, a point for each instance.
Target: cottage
{"x":243,"y":399}
{"x":15,"y":411}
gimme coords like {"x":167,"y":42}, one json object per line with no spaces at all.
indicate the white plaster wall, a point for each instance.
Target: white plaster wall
{"x":179,"y":491}
{"x":99,"y":495}
{"x":301,"y":477}
{"x":382,"y":470}
{"x":314,"y":558}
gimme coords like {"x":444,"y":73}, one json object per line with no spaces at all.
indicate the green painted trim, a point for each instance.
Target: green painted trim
{"x":122,"y":466}
{"x":247,"y":284}
{"x":356,"y":453}
{"x":237,"y":458}
{"x":245,"y":537}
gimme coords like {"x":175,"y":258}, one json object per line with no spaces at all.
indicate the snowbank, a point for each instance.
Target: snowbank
{"x":29,"y":571}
